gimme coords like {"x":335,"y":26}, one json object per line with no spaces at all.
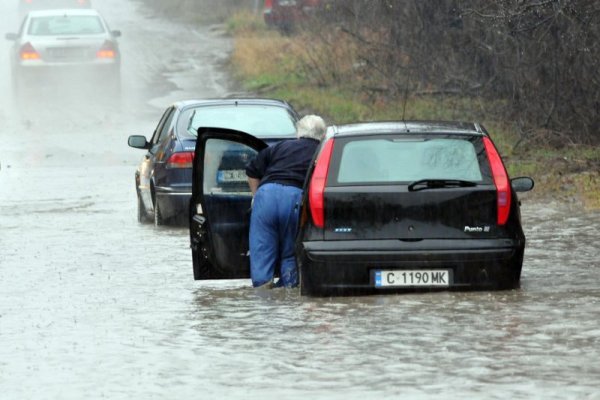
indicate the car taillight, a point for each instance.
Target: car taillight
{"x":29,"y":53}
{"x":316,"y":189}
{"x":181,"y":160}
{"x":107,"y":50}
{"x":500,"y":180}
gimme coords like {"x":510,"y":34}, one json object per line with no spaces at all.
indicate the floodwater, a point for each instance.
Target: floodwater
{"x":94,"y":305}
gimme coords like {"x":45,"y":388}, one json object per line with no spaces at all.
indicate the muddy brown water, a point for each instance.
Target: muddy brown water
{"x":95,"y":305}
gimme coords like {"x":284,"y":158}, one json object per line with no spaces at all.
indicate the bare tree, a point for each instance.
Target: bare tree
{"x":539,"y":58}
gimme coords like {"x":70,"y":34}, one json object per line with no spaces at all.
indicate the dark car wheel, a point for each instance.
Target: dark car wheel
{"x":158,"y":218}
{"x":142,"y":215}
{"x":307,"y":287}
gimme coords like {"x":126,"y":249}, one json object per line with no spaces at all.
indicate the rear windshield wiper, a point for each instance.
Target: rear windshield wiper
{"x":438,"y":184}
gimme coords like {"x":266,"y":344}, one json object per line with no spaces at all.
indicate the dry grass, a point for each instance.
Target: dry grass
{"x":324,"y":76}
{"x":255,"y":56}
{"x":588,"y":185}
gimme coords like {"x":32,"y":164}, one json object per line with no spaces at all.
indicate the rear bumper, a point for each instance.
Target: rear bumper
{"x":285,"y":15}
{"x":174,"y":202}
{"x":101,"y":72}
{"x":348,"y":267}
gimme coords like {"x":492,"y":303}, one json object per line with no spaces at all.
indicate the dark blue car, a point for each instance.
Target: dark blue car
{"x":163,"y":179}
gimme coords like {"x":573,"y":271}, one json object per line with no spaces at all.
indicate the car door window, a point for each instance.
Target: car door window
{"x":162,"y":128}
{"x":225,"y":167}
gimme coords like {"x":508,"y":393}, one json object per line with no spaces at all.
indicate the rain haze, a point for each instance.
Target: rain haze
{"x":95,"y":305}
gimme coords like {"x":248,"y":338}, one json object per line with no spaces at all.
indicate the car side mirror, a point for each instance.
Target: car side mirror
{"x":522,"y":184}
{"x":116,"y":33}
{"x":138,"y":142}
{"x":11,"y":36}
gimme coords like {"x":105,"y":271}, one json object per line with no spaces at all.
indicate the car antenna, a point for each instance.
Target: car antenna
{"x":191,"y":120}
{"x":406,"y":98}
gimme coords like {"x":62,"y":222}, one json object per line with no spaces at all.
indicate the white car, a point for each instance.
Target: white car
{"x":65,"y":45}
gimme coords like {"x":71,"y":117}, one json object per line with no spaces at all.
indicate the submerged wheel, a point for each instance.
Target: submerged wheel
{"x":142,"y":215}
{"x":158,"y":218}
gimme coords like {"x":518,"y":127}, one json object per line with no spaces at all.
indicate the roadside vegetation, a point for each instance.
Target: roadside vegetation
{"x":336,"y":73}
{"x":527,"y":70}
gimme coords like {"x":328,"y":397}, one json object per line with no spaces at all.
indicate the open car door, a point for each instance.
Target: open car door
{"x":220,"y":204}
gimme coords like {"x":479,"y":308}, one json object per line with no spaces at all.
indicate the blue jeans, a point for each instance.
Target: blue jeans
{"x":273,"y":226}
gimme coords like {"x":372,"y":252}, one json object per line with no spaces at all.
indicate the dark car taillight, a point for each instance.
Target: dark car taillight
{"x":28,"y":52}
{"x":500,"y":180}
{"x":107,"y":50}
{"x":316,"y":190}
{"x":181,"y":160}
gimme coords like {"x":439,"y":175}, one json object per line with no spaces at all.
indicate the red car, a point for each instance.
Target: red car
{"x":283,"y":14}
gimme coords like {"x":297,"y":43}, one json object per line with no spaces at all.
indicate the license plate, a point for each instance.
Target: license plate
{"x":70,"y":53}
{"x":412,"y":278}
{"x":232,"y":176}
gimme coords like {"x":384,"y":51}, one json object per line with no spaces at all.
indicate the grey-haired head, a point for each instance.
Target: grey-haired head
{"x":311,"y":126}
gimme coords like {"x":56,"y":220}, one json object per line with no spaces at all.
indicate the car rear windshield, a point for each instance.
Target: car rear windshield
{"x":399,"y":159}
{"x":65,"y":25}
{"x":257,"y":120}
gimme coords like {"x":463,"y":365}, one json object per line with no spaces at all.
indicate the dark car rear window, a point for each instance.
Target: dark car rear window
{"x":65,"y":25}
{"x":257,"y":120}
{"x":391,"y":159}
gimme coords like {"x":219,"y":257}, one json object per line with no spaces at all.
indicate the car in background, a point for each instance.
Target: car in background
{"x":284,"y":14}
{"x":65,"y":46}
{"x":387,"y":207}
{"x":163,"y":180}
{"x":26,"y":6}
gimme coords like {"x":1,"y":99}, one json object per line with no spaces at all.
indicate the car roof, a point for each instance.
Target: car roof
{"x":232,"y":101}
{"x":64,"y":11}
{"x":382,"y":127}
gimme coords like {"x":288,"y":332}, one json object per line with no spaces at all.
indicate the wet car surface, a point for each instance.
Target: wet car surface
{"x":411,"y":205}
{"x":60,"y":46}
{"x":284,"y":14}
{"x":88,"y":312}
{"x":388,"y":207}
{"x":164,"y":177}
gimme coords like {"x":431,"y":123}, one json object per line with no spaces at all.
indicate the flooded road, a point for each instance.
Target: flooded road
{"x":95,"y":305}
